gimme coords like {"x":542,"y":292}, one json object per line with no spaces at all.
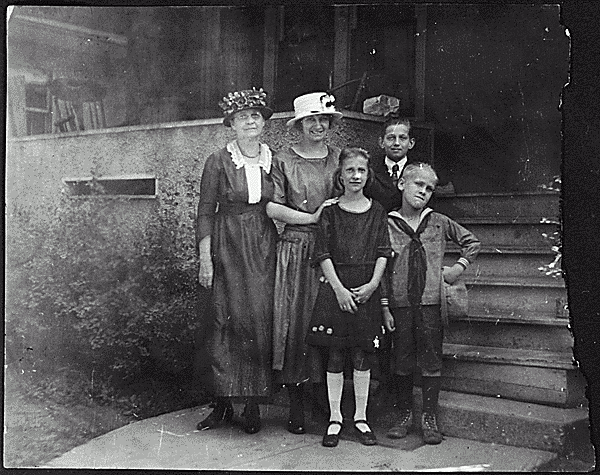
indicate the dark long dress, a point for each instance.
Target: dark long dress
{"x":237,"y":346}
{"x":353,"y":242}
{"x":301,"y":184}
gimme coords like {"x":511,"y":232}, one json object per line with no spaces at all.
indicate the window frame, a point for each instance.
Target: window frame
{"x":69,"y":181}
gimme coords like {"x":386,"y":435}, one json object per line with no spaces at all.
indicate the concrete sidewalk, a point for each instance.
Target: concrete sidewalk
{"x":170,"y":441}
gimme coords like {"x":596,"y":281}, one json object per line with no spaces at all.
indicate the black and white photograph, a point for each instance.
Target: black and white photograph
{"x":304,"y":236}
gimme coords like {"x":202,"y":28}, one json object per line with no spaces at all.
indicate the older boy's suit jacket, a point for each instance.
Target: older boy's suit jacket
{"x":382,"y":189}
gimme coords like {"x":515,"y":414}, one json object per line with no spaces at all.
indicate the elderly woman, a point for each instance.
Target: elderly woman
{"x":302,"y":175}
{"x":237,"y":251}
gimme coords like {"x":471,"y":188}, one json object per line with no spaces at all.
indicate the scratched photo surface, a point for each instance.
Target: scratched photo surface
{"x":112,"y":113}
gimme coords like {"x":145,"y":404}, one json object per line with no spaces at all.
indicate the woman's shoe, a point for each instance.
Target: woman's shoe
{"x":366,"y":438}
{"x":221,"y":414}
{"x":251,"y":417}
{"x":296,"y":420}
{"x":296,"y":427}
{"x":331,"y":440}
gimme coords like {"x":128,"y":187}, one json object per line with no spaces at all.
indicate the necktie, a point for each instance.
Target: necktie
{"x":395,"y":174}
{"x":417,"y":262}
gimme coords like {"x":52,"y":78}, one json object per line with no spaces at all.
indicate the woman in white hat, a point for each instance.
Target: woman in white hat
{"x":302,"y":176}
{"x":236,"y":242}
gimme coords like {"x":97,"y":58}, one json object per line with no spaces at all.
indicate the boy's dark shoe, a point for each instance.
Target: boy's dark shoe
{"x":402,"y":423}
{"x":431,"y":433}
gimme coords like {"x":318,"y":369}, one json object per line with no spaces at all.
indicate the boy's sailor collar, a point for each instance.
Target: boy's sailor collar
{"x":390,"y":163}
{"x":396,"y":214}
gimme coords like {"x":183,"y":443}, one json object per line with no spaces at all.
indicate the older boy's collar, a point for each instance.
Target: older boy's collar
{"x":390,"y":163}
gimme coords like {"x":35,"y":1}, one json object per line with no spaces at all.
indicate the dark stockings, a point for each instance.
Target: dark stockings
{"x":251,"y":416}
{"x":403,"y":389}
{"x":296,"y":395}
{"x":431,"y":393}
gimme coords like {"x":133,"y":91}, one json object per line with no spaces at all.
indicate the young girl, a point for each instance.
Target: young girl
{"x":352,"y":247}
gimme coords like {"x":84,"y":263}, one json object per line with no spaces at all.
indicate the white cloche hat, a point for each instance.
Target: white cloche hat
{"x":314,"y":103}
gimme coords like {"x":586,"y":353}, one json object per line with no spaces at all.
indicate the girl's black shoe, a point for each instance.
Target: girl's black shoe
{"x":221,"y":414}
{"x":251,"y":417}
{"x":366,"y":438}
{"x":331,"y":440}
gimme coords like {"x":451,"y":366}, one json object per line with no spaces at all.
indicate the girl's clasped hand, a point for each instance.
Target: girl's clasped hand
{"x":349,"y":298}
{"x":363,"y":293}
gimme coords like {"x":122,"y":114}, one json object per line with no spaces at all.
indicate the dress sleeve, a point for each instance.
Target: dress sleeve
{"x":384,"y":247}
{"x":207,"y":206}
{"x":278,"y":177}
{"x":321,"y":250}
{"x":386,"y":281}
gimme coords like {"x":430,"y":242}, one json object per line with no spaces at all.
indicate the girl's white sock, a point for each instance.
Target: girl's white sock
{"x":335,"y":385}
{"x":361,"y":396}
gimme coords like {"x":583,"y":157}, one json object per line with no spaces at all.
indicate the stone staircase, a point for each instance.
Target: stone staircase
{"x":508,"y":374}
{"x":508,"y":371}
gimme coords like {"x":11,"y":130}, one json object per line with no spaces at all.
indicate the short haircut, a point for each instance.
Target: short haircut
{"x":413,"y":167}
{"x":395,"y":119}
{"x":346,"y":154}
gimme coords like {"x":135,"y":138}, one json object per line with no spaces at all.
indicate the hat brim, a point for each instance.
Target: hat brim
{"x":266,"y":112}
{"x":335,"y":115}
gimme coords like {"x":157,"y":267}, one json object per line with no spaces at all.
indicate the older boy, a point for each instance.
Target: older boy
{"x":395,"y":141}
{"x":411,"y":295}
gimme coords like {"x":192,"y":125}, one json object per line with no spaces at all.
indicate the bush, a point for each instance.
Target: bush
{"x":99,"y":295}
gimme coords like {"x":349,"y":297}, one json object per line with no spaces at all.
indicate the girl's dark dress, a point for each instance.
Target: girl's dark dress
{"x":236,"y":351}
{"x":354,"y":242}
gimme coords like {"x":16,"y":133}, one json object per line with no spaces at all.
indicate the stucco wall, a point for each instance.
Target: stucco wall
{"x":175,"y":153}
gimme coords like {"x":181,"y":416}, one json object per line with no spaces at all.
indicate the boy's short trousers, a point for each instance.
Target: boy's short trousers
{"x":417,"y":346}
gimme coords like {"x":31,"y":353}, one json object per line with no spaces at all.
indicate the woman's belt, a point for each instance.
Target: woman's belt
{"x":301,"y":228}
{"x":240,"y":208}
{"x":297,"y":234}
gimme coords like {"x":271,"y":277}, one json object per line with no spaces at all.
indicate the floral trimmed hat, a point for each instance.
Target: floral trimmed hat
{"x":247,"y":99}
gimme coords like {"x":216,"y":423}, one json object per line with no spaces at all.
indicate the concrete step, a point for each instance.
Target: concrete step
{"x":543,"y":377}
{"x":522,"y":319}
{"x":523,"y":232}
{"x":499,"y":205}
{"x":495,"y":331}
{"x":473,"y":417}
{"x":510,"y":262}
{"x":517,"y":296}
{"x":500,"y":421}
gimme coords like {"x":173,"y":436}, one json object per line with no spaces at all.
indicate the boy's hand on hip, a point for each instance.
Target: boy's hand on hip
{"x":388,"y":319}
{"x":451,"y":274}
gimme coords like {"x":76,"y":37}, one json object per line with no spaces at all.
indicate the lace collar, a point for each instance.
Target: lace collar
{"x":239,"y":160}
